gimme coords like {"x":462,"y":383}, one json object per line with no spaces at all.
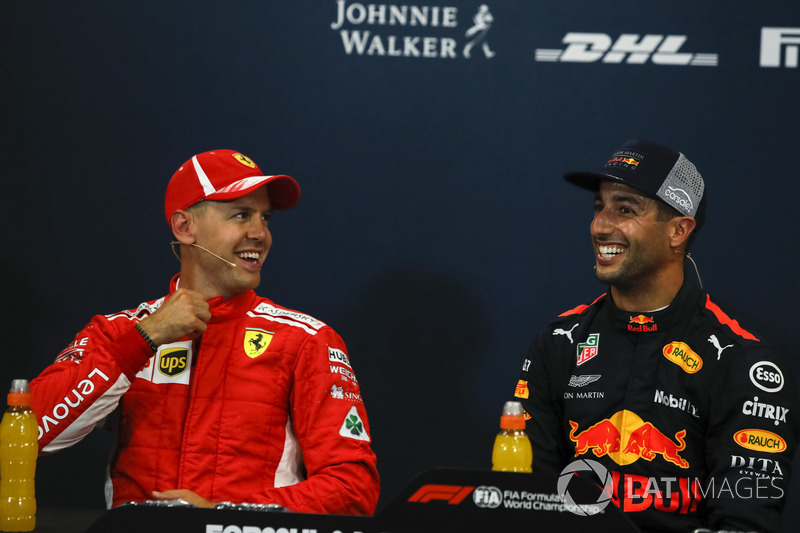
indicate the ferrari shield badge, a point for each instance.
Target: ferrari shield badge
{"x":256,"y":341}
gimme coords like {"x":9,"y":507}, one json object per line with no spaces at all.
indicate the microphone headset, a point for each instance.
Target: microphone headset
{"x":173,"y":243}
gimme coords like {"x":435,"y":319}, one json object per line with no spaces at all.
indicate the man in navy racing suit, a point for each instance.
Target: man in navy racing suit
{"x":693,"y":416}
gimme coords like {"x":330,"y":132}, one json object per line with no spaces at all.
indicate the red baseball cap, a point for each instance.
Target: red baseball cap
{"x":225,"y":175}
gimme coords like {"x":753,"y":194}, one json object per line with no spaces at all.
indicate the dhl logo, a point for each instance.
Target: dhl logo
{"x":626,"y":438}
{"x":760,"y":440}
{"x":641,"y":319}
{"x":682,"y":355}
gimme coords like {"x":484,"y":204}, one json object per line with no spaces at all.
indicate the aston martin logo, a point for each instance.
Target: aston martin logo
{"x":580,"y":381}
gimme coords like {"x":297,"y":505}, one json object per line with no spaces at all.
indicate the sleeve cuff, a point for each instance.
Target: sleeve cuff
{"x":131,"y":351}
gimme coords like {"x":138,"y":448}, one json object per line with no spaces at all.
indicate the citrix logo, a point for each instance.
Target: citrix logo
{"x":773,"y":41}
{"x":629,"y":47}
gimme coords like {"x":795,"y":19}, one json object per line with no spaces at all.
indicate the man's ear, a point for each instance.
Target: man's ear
{"x":183,"y":227}
{"x":682,"y":228}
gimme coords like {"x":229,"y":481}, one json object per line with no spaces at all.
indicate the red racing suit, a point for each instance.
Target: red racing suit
{"x":693,"y":417}
{"x":263,"y":408}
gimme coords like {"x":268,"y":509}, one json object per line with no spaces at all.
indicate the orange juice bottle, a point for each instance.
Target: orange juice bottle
{"x":512,"y":448}
{"x":19,"y":448}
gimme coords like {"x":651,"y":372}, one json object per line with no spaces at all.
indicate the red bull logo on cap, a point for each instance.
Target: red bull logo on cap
{"x":626,"y":438}
{"x":619,"y":160}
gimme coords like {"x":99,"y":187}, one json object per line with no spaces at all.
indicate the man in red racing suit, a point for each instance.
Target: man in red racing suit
{"x":241,"y":400}
{"x":693,"y":416}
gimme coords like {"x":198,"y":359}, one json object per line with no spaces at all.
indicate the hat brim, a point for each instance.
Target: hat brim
{"x":283,"y":190}
{"x":591,"y":181}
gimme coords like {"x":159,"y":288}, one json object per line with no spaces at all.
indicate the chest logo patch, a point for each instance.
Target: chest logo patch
{"x":760,"y":440}
{"x":256,"y":341}
{"x":682,"y":355}
{"x":173,"y":361}
{"x":588,"y":349}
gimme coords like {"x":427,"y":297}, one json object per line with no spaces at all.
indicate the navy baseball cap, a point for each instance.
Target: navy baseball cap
{"x":653,"y":169}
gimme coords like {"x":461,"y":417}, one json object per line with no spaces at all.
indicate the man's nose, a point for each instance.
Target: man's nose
{"x":601,"y":223}
{"x":258,"y":230}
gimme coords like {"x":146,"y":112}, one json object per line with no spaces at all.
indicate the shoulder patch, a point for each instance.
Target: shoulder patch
{"x":286,"y":316}
{"x":581,"y":308}
{"x":728,"y":321}
{"x":145,"y":309}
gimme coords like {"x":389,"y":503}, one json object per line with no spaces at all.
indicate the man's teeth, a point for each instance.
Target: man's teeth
{"x":609,"y":251}
{"x":248,"y":255}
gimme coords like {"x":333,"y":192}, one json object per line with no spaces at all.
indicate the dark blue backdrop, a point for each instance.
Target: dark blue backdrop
{"x":435,"y":232}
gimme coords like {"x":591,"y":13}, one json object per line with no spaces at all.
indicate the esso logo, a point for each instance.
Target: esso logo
{"x":766,"y":376}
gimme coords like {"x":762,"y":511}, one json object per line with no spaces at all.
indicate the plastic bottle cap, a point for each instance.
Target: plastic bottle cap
{"x":20,"y":393}
{"x":19,"y":398}
{"x":512,"y":422}
{"x":512,"y":417}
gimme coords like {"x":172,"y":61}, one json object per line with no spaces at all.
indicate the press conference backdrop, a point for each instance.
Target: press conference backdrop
{"x":435,"y":232}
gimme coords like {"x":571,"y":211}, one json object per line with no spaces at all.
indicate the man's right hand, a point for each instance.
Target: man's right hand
{"x":184,"y":314}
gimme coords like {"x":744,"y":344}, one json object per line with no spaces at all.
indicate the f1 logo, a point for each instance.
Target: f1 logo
{"x":452,"y":494}
{"x":773,"y":40}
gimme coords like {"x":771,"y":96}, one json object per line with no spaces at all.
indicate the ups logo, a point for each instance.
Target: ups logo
{"x":173,"y":362}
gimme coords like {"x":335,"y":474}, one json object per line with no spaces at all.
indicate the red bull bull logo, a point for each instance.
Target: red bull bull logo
{"x":642,"y":323}
{"x":641,"y":319}
{"x":624,"y":160}
{"x":630,"y":162}
{"x":626,"y":438}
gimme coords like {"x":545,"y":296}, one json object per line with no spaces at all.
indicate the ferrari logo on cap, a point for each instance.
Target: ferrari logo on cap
{"x":256,"y":341}
{"x":243,"y":159}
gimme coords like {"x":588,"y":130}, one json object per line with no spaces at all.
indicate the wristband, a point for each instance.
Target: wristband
{"x":147,"y":338}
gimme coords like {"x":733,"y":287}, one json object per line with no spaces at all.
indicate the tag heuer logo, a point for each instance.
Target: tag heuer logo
{"x":588,"y":349}
{"x":256,"y":341}
{"x":353,"y":427}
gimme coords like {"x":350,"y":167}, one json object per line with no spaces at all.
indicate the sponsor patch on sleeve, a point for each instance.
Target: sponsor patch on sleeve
{"x":353,"y":426}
